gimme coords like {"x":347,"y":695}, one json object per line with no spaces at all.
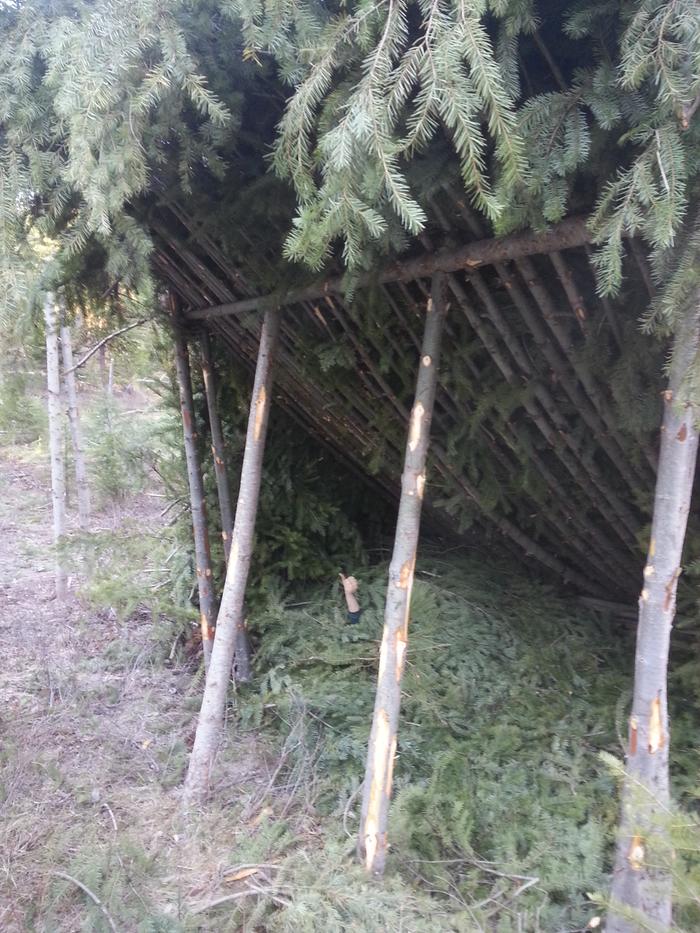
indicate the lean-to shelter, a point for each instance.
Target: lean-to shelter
{"x":542,"y":439}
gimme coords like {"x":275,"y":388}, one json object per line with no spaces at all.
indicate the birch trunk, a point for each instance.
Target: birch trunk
{"x":641,"y":879}
{"x":81,"y":480}
{"x":242,"y":653}
{"x":230,"y":620}
{"x":56,"y":451}
{"x":197,"y":503}
{"x":372,"y":842}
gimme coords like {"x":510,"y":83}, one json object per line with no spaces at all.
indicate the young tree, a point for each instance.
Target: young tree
{"x":56,"y":450}
{"x":81,"y":479}
{"x":372,"y":843}
{"x":230,"y":619}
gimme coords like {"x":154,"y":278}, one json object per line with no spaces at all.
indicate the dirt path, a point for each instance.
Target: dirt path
{"x":94,"y":732}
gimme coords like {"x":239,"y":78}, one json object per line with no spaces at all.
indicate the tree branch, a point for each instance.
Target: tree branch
{"x":117,"y":333}
{"x":93,"y":897}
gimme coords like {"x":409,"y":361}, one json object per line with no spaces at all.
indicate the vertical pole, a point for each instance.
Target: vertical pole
{"x":58,"y":470}
{"x":81,"y":480}
{"x":197,"y":503}
{"x":230,"y":619}
{"x":217,"y":444}
{"x":641,"y":878}
{"x":242,"y":652}
{"x":372,"y":842}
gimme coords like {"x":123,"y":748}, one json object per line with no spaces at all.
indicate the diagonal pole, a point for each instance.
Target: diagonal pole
{"x":372,"y":842}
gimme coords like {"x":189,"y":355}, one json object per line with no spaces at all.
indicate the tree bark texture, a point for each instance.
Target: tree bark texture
{"x":242,"y":652}
{"x":565,"y":235}
{"x":230,"y":620}
{"x":207,"y":610}
{"x":81,"y":478}
{"x":641,"y":879}
{"x":372,"y":842}
{"x":56,"y":448}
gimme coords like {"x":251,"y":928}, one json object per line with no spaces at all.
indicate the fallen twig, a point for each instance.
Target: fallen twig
{"x":93,"y":897}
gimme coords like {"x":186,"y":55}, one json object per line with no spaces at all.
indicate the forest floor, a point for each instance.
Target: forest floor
{"x":94,"y":740}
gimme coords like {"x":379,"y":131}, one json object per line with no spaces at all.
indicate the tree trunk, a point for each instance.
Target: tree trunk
{"x":372,"y":842}
{"x":641,"y":880}
{"x":58,"y":469}
{"x":242,"y":653}
{"x":198,"y":507}
{"x":230,"y":620}
{"x":81,"y":480}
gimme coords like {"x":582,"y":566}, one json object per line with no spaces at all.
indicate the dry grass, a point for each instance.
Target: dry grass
{"x":94,"y":742}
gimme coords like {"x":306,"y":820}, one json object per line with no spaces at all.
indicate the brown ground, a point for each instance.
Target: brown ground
{"x":94,"y":733}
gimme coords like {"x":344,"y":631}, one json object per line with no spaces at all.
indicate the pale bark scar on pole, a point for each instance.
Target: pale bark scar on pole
{"x":420,"y":484}
{"x":657,"y":739}
{"x":383,"y":651}
{"x":426,"y":360}
{"x":390,"y":771}
{"x":377,"y":788}
{"x":405,"y":575}
{"x":259,"y":413}
{"x":401,"y":645}
{"x":636,"y":853}
{"x":416,"y":428}
{"x":670,"y":589}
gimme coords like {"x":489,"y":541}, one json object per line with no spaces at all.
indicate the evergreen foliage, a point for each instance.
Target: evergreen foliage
{"x":509,"y":695}
{"x":99,"y":103}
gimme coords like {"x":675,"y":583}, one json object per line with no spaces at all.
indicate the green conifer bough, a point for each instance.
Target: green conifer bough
{"x":100,"y":103}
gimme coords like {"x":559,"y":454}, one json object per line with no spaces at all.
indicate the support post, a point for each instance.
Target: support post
{"x":642,"y":883}
{"x":217,"y":444}
{"x":230,"y":619}
{"x":242,"y":653}
{"x":81,"y":479}
{"x":197,"y":503}
{"x":56,"y":452}
{"x":372,"y":842}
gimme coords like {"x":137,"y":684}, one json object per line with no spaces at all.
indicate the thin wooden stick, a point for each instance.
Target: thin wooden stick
{"x":117,"y":333}
{"x":93,"y":897}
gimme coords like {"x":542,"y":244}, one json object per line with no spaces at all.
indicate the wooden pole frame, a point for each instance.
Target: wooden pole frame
{"x":230,"y":618}
{"x":207,"y":610}
{"x":642,"y":880}
{"x":372,"y":841}
{"x":567,"y":234}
